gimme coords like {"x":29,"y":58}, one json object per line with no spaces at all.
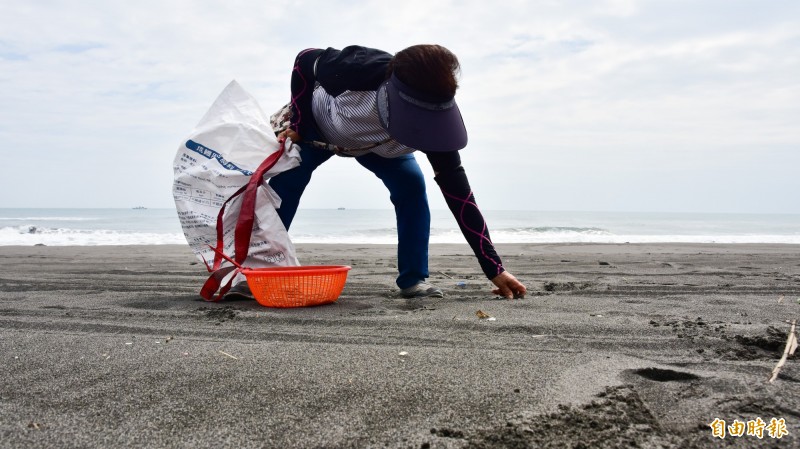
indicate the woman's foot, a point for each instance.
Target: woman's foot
{"x":422,"y":289}
{"x":239,"y":291}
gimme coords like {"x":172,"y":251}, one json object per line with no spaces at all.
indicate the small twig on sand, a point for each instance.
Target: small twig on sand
{"x":791,"y":346}
{"x":446,"y":275}
{"x":226,"y":354}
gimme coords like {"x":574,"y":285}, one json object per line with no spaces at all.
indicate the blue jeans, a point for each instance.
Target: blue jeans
{"x":406,"y":184}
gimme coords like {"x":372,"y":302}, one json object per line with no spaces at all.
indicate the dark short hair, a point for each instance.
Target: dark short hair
{"x":431,"y":69}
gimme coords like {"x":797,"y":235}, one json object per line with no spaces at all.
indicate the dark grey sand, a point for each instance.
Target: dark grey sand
{"x":615,"y":346}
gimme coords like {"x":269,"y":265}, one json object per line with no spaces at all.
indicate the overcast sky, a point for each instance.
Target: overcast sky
{"x":617,"y":105}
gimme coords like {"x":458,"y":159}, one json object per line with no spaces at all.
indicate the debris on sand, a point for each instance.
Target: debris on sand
{"x":482,"y":315}
{"x":228,"y":355}
{"x":791,"y":346}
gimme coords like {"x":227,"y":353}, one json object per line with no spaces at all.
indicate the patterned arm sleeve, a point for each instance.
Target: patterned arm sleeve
{"x":302,"y":87}
{"x":453,"y":182}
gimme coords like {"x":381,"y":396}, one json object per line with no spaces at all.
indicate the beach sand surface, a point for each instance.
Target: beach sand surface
{"x":614,"y":346}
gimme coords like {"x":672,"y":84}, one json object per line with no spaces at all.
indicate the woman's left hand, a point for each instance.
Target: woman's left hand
{"x":508,"y":286}
{"x":290,"y":134}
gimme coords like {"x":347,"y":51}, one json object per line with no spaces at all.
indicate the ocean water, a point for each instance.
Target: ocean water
{"x":84,"y":227}
{"x":80,"y":227}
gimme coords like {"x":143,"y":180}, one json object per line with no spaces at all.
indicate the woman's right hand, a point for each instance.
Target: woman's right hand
{"x":508,"y":286}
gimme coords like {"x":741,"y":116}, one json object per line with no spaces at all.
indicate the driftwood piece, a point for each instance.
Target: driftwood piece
{"x":791,"y":346}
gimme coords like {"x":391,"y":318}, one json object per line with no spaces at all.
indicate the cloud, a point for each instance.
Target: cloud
{"x":586,"y":91}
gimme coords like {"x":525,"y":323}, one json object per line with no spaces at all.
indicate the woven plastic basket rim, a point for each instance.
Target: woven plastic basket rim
{"x":304,"y":270}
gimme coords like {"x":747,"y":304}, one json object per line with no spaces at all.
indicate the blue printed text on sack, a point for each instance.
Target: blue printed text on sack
{"x":211,"y":154}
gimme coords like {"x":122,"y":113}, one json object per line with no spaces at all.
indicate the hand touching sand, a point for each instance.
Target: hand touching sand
{"x":508,"y":286}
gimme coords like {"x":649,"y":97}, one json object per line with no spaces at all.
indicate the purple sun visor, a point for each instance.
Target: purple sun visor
{"x":420,"y":121}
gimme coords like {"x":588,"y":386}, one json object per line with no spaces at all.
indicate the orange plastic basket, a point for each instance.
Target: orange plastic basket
{"x":310,"y":285}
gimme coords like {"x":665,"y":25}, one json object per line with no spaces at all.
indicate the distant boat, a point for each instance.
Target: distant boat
{"x":139,"y":208}
{"x":341,"y":208}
